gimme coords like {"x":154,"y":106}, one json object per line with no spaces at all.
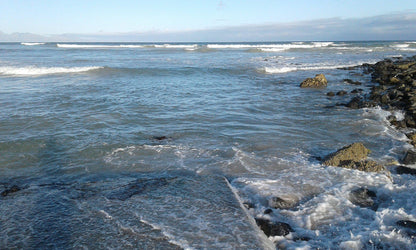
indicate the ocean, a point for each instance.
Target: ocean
{"x":182,"y":145}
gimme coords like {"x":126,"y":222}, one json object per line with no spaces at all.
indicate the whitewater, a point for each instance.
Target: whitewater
{"x":185,"y":146}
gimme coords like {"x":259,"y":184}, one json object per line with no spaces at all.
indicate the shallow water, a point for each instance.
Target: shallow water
{"x":79,"y":120}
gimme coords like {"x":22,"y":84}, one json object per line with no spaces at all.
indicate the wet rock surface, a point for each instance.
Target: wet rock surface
{"x":363,"y":197}
{"x":353,"y":152}
{"x":410,"y":157}
{"x":405,"y":170}
{"x":396,"y":88}
{"x":274,"y":228}
{"x":319,"y":81}
{"x":277,"y":202}
{"x":353,"y":156}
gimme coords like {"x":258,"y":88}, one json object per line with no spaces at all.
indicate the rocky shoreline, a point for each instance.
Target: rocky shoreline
{"x":393,"y":88}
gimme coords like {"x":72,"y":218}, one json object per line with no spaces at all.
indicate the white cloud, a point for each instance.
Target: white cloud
{"x":397,"y":26}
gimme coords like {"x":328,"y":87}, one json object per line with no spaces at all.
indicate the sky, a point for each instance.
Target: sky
{"x":193,"y":19}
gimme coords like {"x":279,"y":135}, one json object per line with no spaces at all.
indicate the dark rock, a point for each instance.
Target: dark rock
{"x":303,"y":238}
{"x":356,"y":91}
{"x":410,"y":122}
{"x":319,"y":81}
{"x":352,"y":82}
{"x":356,"y":103}
{"x":249,"y":205}
{"x":160,"y":138}
{"x":342,"y":93}
{"x":137,"y":187}
{"x":409,"y":227}
{"x":410,"y":157}
{"x":277,"y":202}
{"x":412,"y":138}
{"x":274,"y":228}
{"x":330,"y":94}
{"x":405,"y":170}
{"x":391,"y":118}
{"x":385,"y":99}
{"x":268,"y":211}
{"x":407,"y":224}
{"x":363,"y":197}
{"x":12,"y":189}
{"x":398,"y":124}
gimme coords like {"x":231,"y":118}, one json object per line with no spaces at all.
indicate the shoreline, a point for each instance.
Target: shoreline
{"x":393,"y":88}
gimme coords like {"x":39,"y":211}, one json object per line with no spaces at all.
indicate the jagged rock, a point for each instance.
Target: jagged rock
{"x":277,"y":202}
{"x":410,"y":157}
{"x":12,"y":189}
{"x":353,"y":157}
{"x":405,"y":170}
{"x":358,"y":102}
{"x":353,"y":152}
{"x":319,"y":81}
{"x":274,"y":228}
{"x":363,"y":197}
{"x":364,"y":165}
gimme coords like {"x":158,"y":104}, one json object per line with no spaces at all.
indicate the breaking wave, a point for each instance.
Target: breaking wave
{"x":89,"y":46}
{"x":286,"y":69}
{"x":36,"y":71}
{"x":271,"y":47}
{"x":32,"y":44}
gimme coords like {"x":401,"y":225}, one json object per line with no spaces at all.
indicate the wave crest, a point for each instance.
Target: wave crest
{"x":32,"y":44}
{"x":36,"y":71}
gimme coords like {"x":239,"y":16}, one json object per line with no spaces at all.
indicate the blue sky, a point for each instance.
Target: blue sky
{"x":53,"y":17}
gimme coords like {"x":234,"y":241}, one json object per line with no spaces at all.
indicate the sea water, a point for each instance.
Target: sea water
{"x":141,"y":145}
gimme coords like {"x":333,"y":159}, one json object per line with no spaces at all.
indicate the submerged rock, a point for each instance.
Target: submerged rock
{"x":137,"y":187}
{"x":274,"y":228}
{"x":10,"y":190}
{"x":277,"y":202}
{"x":319,"y":81}
{"x":352,"y":82}
{"x":330,"y":93}
{"x":160,"y":138}
{"x":363,"y":197}
{"x":342,"y":93}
